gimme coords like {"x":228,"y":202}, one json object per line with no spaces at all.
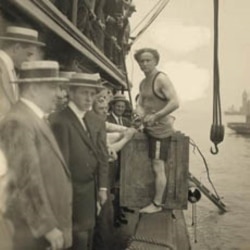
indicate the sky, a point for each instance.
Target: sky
{"x":183,"y":34}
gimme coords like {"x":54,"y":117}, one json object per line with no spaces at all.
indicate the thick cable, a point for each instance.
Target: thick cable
{"x":144,"y":18}
{"x":217,"y":129}
{"x":192,"y":143}
{"x":151,"y":20}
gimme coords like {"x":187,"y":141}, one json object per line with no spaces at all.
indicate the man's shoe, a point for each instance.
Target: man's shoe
{"x":127,"y":210}
{"x":151,"y":208}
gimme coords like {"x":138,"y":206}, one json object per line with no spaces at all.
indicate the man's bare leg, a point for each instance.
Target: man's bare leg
{"x":160,"y":184}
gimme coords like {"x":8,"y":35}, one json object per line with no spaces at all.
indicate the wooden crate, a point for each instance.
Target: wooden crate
{"x":137,"y":178}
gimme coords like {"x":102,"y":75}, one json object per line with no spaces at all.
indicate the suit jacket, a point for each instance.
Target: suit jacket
{"x":125,"y":121}
{"x":7,"y":76}
{"x":40,"y":189}
{"x":87,"y":158}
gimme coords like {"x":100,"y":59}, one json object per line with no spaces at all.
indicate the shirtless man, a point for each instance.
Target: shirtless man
{"x":157,"y":100}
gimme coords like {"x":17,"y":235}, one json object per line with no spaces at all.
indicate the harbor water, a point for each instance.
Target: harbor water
{"x":230,"y":173}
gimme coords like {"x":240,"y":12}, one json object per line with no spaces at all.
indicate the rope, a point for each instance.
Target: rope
{"x":144,"y":18}
{"x":195,"y":147}
{"x":151,"y":20}
{"x":194,"y":221}
{"x":217,"y":129}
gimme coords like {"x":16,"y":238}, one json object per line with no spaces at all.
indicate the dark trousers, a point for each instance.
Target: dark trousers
{"x":104,"y":230}
{"x":82,"y":240}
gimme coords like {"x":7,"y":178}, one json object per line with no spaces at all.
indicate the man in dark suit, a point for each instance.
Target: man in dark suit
{"x":82,"y":138}
{"x":40,"y":192}
{"x":118,"y":106}
{"x":18,"y":45}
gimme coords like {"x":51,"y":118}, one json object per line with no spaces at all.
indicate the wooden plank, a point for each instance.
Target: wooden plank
{"x":182,"y":236}
{"x":74,"y":12}
{"x":137,"y":177}
{"x":161,"y":231}
{"x":178,"y":164}
{"x":45,"y":13}
{"x":154,"y":232}
{"x":217,"y":201}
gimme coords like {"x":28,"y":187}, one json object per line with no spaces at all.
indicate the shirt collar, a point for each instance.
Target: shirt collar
{"x":115,"y":116}
{"x":33,"y":107}
{"x":7,"y":59}
{"x":79,"y":113}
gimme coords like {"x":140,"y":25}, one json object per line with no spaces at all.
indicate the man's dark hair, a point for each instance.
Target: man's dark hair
{"x":154,"y":52}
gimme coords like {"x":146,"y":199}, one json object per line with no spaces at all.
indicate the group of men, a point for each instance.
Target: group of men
{"x":105,"y":23}
{"x":54,"y":165}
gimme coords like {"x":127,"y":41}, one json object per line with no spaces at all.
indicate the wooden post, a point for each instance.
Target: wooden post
{"x":74,"y":12}
{"x":248,"y":113}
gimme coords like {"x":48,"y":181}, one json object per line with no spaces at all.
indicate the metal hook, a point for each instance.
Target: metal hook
{"x":216,"y":151}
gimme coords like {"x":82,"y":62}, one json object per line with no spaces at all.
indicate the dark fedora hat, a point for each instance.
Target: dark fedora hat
{"x":40,"y":71}
{"x":119,"y":98}
{"x":21,"y":34}
{"x":86,"y":80}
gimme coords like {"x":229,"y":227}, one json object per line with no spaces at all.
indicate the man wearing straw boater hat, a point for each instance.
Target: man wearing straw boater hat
{"x":118,"y":106}
{"x":39,"y":202}
{"x":17,"y":45}
{"x":82,"y":138}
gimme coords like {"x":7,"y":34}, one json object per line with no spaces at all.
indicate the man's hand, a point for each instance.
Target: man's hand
{"x":150,"y":120}
{"x":55,"y":238}
{"x":112,"y":154}
{"x":102,"y":195}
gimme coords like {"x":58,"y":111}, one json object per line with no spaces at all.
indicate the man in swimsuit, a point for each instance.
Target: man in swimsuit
{"x":157,"y":100}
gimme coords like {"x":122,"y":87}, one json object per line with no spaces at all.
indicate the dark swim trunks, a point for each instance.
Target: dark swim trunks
{"x":159,"y":148}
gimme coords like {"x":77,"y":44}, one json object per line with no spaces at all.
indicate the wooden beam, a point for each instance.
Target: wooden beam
{"x":74,"y":11}
{"x":45,"y":13}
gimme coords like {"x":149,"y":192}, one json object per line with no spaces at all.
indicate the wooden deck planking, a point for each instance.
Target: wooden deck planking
{"x":161,"y":231}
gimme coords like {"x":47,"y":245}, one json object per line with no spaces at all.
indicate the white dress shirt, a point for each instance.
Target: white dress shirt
{"x":117,"y":119}
{"x":11,"y":71}
{"x":79,"y":114}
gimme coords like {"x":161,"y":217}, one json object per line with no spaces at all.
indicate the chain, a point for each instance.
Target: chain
{"x":149,"y":241}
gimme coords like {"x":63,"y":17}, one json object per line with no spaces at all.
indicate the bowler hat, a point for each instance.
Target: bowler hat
{"x":86,"y":80}
{"x":40,"y":71}
{"x":21,"y":34}
{"x":119,"y":98}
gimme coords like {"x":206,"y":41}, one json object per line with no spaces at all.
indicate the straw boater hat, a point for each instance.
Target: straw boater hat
{"x":86,"y":80}
{"x":20,"y":34}
{"x":66,"y":74}
{"x":40,"y":72}
{"x":119,"y":98}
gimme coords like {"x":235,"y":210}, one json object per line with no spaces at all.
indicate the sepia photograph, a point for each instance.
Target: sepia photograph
{"x":124,"y":125}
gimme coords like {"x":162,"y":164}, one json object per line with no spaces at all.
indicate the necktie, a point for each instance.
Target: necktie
{"x":84,"y":126}
{"x":120,"y":121}
{"x":15,"y":86}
